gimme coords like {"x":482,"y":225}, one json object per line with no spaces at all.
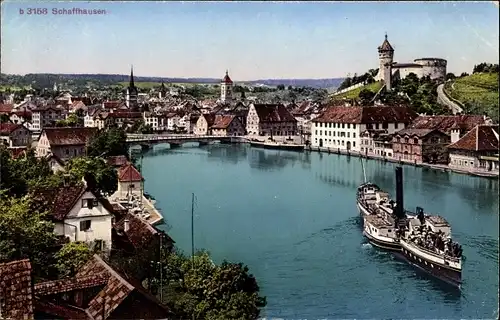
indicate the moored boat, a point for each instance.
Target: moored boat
{"x":277,"y":146}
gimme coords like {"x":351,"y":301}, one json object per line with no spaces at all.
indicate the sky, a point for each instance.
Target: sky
{"x":253,"y":40}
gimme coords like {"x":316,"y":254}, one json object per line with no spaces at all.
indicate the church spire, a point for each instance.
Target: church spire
{"x":131,"y":84}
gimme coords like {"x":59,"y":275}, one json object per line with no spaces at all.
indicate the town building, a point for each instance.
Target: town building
{"x":22,"y":117}
{"x":79,"y":213}
{"x":55,"y":163}
{"x":270,"y":120}
{"x":476,"y":150}
{"x":340,"y":127}
{"x":202,"y":127}
{"x":390,"y":71}
{"x":132,"y":93}
{"x":174,"y":121}
{"x":376,"y":143}
{"x":47,"y":116}
{"x":119,"y":118}
{"x":226,"y":89}
{"x":130,"y":181}
{"x":154,"y":120}
{"x":14,"y":135}
{"x":455,"y":126}
{"x":65,"y":143}
{"x":227,"y":125}
{"x":421,"y":145}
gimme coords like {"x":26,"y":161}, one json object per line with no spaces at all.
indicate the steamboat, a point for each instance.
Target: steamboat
{"x":423,"y":240}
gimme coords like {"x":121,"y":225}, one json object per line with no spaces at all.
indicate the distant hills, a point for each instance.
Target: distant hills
{"x":47,"y":80}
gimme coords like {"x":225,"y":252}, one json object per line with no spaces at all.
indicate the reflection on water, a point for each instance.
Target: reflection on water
{"x":266,"y":160}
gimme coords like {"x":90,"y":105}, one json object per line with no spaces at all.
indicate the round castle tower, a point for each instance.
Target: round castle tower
{"x":435,"y":68}
{"x":385,"y":57}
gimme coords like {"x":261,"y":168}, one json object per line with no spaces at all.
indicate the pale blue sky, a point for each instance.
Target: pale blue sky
{"x":252,"y":40}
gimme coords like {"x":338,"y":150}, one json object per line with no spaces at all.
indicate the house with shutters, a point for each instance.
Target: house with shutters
{"x":227,"y":125}
{"x":79,"y":213}
{"x":15,"y":135}
{"x":65,"y":143}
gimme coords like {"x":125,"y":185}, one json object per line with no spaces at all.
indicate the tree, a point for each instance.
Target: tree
{"x":96,"y":171}
{"x":109,"y":142}
{"x":281,"y":87}
{"x":290,"y":88}
{"x":365,"y":97}
{"x":450,"y":76}
{"x":71,"y":257}
{"x":25,"y":234}
{"x":198,"y":287}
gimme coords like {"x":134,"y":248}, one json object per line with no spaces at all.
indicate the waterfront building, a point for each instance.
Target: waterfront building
{"x":421,"y":145}
{"x":131,"y":93}
{"x":227,"y":125}
{"x":120,"y":118}
{"x":78,"y":213}
{"x":154,"y":120}
{"x":65,"y":143}
{"x":376,"y":143}
{"x":130,"y":181}
{"x":476,"y":150}
{"x":226,"y":89}
{"x":205,"y":121}
{"x":340,"y":127}
{"x":174,"y":121}
{"x":14,"y":135}
{"x":270,"y":120}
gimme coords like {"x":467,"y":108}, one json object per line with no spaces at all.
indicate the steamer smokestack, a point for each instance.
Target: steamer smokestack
{"x":400,"y":211}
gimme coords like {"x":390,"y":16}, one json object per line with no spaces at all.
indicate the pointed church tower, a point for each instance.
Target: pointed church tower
{"x":226,"y":89}
{"x":132,"y":93}
{"x":385,"y":57}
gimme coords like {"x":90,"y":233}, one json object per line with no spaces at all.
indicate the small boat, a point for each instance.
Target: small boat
{"x":426,"y":244}
{"x":277,"y":146}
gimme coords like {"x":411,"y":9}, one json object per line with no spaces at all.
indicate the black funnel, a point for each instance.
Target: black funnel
{"x":400,"y":211}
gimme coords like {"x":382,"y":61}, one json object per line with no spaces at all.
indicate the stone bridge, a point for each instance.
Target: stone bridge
{"x":146,"y":141}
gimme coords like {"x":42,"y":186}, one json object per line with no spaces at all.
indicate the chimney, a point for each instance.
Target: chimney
{"x":126,"y":225}
{"x":400,"y":211}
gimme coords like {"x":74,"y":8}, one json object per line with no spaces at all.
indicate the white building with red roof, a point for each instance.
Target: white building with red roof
{"x":130,"y":181}
{"x":226,"y":89}
{"x":476,"y":150}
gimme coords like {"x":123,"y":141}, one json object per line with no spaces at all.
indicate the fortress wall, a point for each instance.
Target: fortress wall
{"x":433,"y":67}
{"x":350,"y":88}
{"x":404,"y":72}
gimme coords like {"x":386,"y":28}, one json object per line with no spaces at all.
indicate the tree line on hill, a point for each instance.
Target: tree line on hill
{"x":367,"y":77}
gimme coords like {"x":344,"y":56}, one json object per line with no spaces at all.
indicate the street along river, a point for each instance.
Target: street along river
{"x":292,"y":218}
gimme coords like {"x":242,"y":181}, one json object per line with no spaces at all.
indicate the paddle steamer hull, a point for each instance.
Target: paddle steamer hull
{"x":441,"y":269}
{"x":392,"y":245}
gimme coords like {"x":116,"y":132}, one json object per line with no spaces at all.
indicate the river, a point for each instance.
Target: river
{"x":291,"y":217}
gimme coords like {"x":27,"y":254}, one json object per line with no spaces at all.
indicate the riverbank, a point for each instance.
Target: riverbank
{"x":440,"y":167}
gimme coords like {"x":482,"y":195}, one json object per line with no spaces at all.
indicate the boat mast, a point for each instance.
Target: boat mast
{"x":363,"y":167}
{"x":192,"y":230}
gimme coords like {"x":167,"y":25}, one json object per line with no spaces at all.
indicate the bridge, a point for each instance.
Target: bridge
{"x":177,"y":140}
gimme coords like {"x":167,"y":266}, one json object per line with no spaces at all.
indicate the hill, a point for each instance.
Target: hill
{"x":46,"y":80}
{"x":353,"y":94}
{"x":478,"y":93}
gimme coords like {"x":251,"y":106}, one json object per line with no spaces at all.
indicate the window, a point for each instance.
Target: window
{"x":354,"y":144}
{"x":354,"y":126}
{"x":385,"y":126}
{"x":330,"y":125}
{"x":90,"y":203}
{"x":131,"y":186}
{"x":67,"y":151}
{"x":395,"y":126}
{"x":348,"y":134}
{"x":354,"y":134}
{"x":348,"y":126}
{"x":415,"y":140}
{"x":343,"y":125}
{"x":376,"y":126}
{"x":85,"y":225}
{"x":406,"y":140}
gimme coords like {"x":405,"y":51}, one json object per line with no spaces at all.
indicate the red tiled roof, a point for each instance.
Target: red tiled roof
{"x":18,"y":152}
{"x":222,"y":121}
{"x":446,"y":123}
{"x":69,"y":284}
{"x":8,"y":128}
{"x":116,"y":290}
{"x":125,"y":114}
{"x":414,"y":132}
{"x":60,"y":310}
{"x":367,"y":115}
{"x":111,"y":104}
{"x":481,"y":138}
{"x":49,"y":107}
{"x":16,"y":290}
{"x":69,"y":136}
{"x":6,"y":108}
{"x":226,"y":79}
{"x":128,"y":173}
{"x":273,"y":113}
{"x":140,"y":232}
{"x":117,"y":161}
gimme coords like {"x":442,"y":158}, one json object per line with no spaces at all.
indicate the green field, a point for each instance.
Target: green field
{"x":353,"y":94}
{"x":13,"y":88}
{"x":478,"y":93}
